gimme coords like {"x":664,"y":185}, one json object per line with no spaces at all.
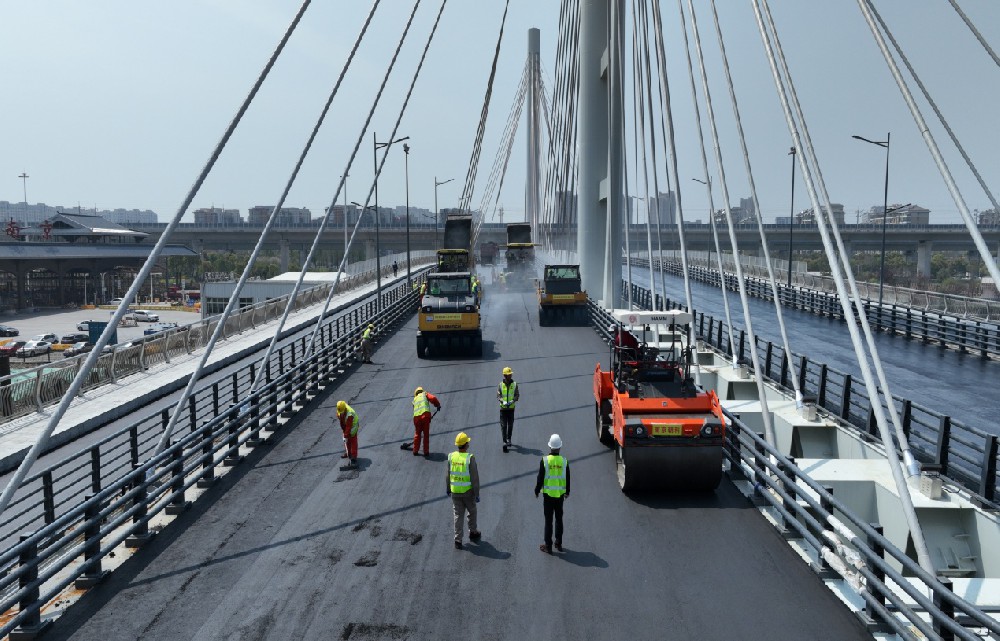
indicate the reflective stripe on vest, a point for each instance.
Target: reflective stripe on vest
{"x":507,"y":395}
{"x":459,"y":478}
{"x":555,"y":475}
{"x":420,"y":404}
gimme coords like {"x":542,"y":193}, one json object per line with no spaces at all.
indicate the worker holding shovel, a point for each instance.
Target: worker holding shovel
{"x":422,"y":402}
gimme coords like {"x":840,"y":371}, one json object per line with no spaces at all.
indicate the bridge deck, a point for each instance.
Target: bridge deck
{"x":287,"y":546}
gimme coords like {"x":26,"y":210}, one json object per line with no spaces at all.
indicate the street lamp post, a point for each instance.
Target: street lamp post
{"x":345,"y":176}
{"x":406,"y":150}
{"x":885,"y":215}
{"x":437,"y":212}
{"x":791,"y":220}
{"x":378,"y":247}
{"x":24,"y":183}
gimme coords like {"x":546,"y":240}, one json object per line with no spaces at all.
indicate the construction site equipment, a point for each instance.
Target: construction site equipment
{"x":666,"y":431}
{"x":449,"y":316}
{"x":561,"y":299}
{"x":520,"y":255}
{"x":456,"y":250}
{"x":487,"y":252}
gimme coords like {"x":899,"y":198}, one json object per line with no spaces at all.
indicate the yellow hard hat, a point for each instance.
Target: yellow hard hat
{"x":418,"y":391}
{"x":370,"y":326}
{"x":508,"y":371}
{"x":341,"y":407}
{"x":462,"y":439}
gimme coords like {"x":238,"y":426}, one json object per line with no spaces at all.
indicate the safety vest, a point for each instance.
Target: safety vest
{"x":507,"y":394}
{"x":555,"y":475}
{"x":420,"y":404}
{"x":423,"y":289}
{"x":367,"y":334}
{"x":459,"y":477}
{"x":356,"y":425}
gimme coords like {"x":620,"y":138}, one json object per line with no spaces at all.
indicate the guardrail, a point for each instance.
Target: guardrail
{"x":929,"y":325}
{"x":31,"y":390}
{"x":65,"y":519}
{"x":843,"y":542}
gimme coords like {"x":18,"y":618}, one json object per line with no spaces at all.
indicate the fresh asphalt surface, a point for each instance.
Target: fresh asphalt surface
{"x":289,"y":547}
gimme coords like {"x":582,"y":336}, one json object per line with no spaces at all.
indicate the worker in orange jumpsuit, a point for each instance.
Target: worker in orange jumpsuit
{"x":422,"y":402}
{"x":350,"y":425}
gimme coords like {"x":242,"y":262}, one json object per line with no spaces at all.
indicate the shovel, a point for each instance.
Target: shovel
{"x":408,"y":445}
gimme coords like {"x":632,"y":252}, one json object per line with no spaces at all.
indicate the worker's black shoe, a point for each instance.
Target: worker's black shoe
{"x":559,"y":547}
{"x":475,"y":535}
{"x":343,"y":455}
{"x":545,"y":548}
{"x":504,"y":448}
{"x":458,"y":545}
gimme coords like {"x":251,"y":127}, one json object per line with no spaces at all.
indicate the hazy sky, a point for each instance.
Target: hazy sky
{"x":119,"y":103}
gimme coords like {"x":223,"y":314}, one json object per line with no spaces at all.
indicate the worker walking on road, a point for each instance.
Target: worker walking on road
{"x":553,"y":481}
{"x":366,"y":344}
{"x":508,"y":394}
{"x":463,"y":488}
{"x":422,"y":402}
{"x":349,"y":425}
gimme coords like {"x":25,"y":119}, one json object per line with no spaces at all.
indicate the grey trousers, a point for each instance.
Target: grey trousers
{"x":463,"y":503}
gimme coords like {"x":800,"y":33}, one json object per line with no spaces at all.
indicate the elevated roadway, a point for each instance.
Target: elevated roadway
{"x":288,"y":546}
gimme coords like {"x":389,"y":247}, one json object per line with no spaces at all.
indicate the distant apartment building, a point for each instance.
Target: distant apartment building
{"x":743,"y":214}
{"x":287,"y":216}
{"x":31,"y":214}
{"x":418,"y":215}
{"x":215,"y":217}
{"x":899,"y":215}
{"x":989,"y":218}
{"x":663,"y":208}
{"x":808,"y":216}
{"x":339,"y":213}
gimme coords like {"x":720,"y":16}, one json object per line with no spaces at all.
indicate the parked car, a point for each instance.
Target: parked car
{"x":116,"y":301}
{"x":74,"y":338}
{"x":159,"y":327}
{"x":34,"y":348}
{"x":7,"y":330}
{"x":144,"y":316}
{"x":9,"y":349}
{"x":84,"y":326}
{"x":78,"y":348}
{"x":46,"y":338}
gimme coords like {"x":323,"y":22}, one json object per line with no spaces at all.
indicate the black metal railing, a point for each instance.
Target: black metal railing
{"x":931,"y":326}
{"x":65,"y":519}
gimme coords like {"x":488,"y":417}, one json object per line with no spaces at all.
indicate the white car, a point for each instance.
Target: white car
{"x":147,"y":317}
{"x":47,"y":338}
{"x":34,"y":348}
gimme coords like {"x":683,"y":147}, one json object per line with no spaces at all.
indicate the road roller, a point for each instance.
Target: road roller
{"x":666,"y":431}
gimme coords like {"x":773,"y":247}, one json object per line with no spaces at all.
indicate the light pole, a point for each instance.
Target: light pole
{"x":791,"y":219}
{"x":406,"y":150}
{"x":345,"y":177}
{"x":24,"y":183}
{"x":437,"y":212}
{"x":711,"y":219}
{"x":885,"y":214}
{"x":378,"y":247}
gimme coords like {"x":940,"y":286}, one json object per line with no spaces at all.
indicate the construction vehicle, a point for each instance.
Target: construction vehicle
{"x":487,"y":252}
{"x":667,"y":432}
{"x":448,"y":319}
{"x":520,"y":254}
{"x":456,"y":250}
{"x":561,"y":299}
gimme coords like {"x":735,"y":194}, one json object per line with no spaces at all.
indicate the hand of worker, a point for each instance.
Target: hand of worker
{"x":477,"y":499}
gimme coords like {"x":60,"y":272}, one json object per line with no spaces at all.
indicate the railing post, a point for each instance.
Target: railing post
{"x":988,"y":471}
{"x":215,"y":398}
{"x":803,"y":365}
{"x":140,"y":525}
{"x":92,"y":550}
{"x":48,"y":497}
{"x":235,"y":420}
{"x":946,"y":608}
{"x":236,"y":387}
{"x":207,"y":462}
{"x":768,"y":357}
{"x":826,"y":509}
{"x":743,"y":340}
{"x":943,"y":444}
{"x":177,"y":504}
{"x":784,"y":368}
{"x":874,"y":619}
{"x":32,"y":625}
{"x":907,"y":418}
{"x":759,"y":456}
{"x":788,"y":487}
{"x":821,"y":392}
{"x":845,"y":399}
{"x":95,"y":469}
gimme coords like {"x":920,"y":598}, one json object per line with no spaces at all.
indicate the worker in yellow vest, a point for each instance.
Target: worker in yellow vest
{"x":350,"y":426}
{"x":507,"y":394}
{"x":422,"y":401}
{"x":366,"y":344}
{"x":463,"y":488}
{"x":553,"y":482}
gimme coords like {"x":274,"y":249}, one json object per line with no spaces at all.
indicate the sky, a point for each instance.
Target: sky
{"x":119,"y":104}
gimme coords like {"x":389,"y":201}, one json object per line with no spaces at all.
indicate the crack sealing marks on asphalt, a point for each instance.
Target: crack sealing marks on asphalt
{"x":405,"y":535}
{"x":364,"y":631}
{"x":369,"y":560}
{"x":347,"y":475}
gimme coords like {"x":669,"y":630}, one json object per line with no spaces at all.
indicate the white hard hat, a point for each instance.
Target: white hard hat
{"x":555,"y":442}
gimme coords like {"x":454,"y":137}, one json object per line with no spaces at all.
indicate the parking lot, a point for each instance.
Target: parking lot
{"x":62,"y":322}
